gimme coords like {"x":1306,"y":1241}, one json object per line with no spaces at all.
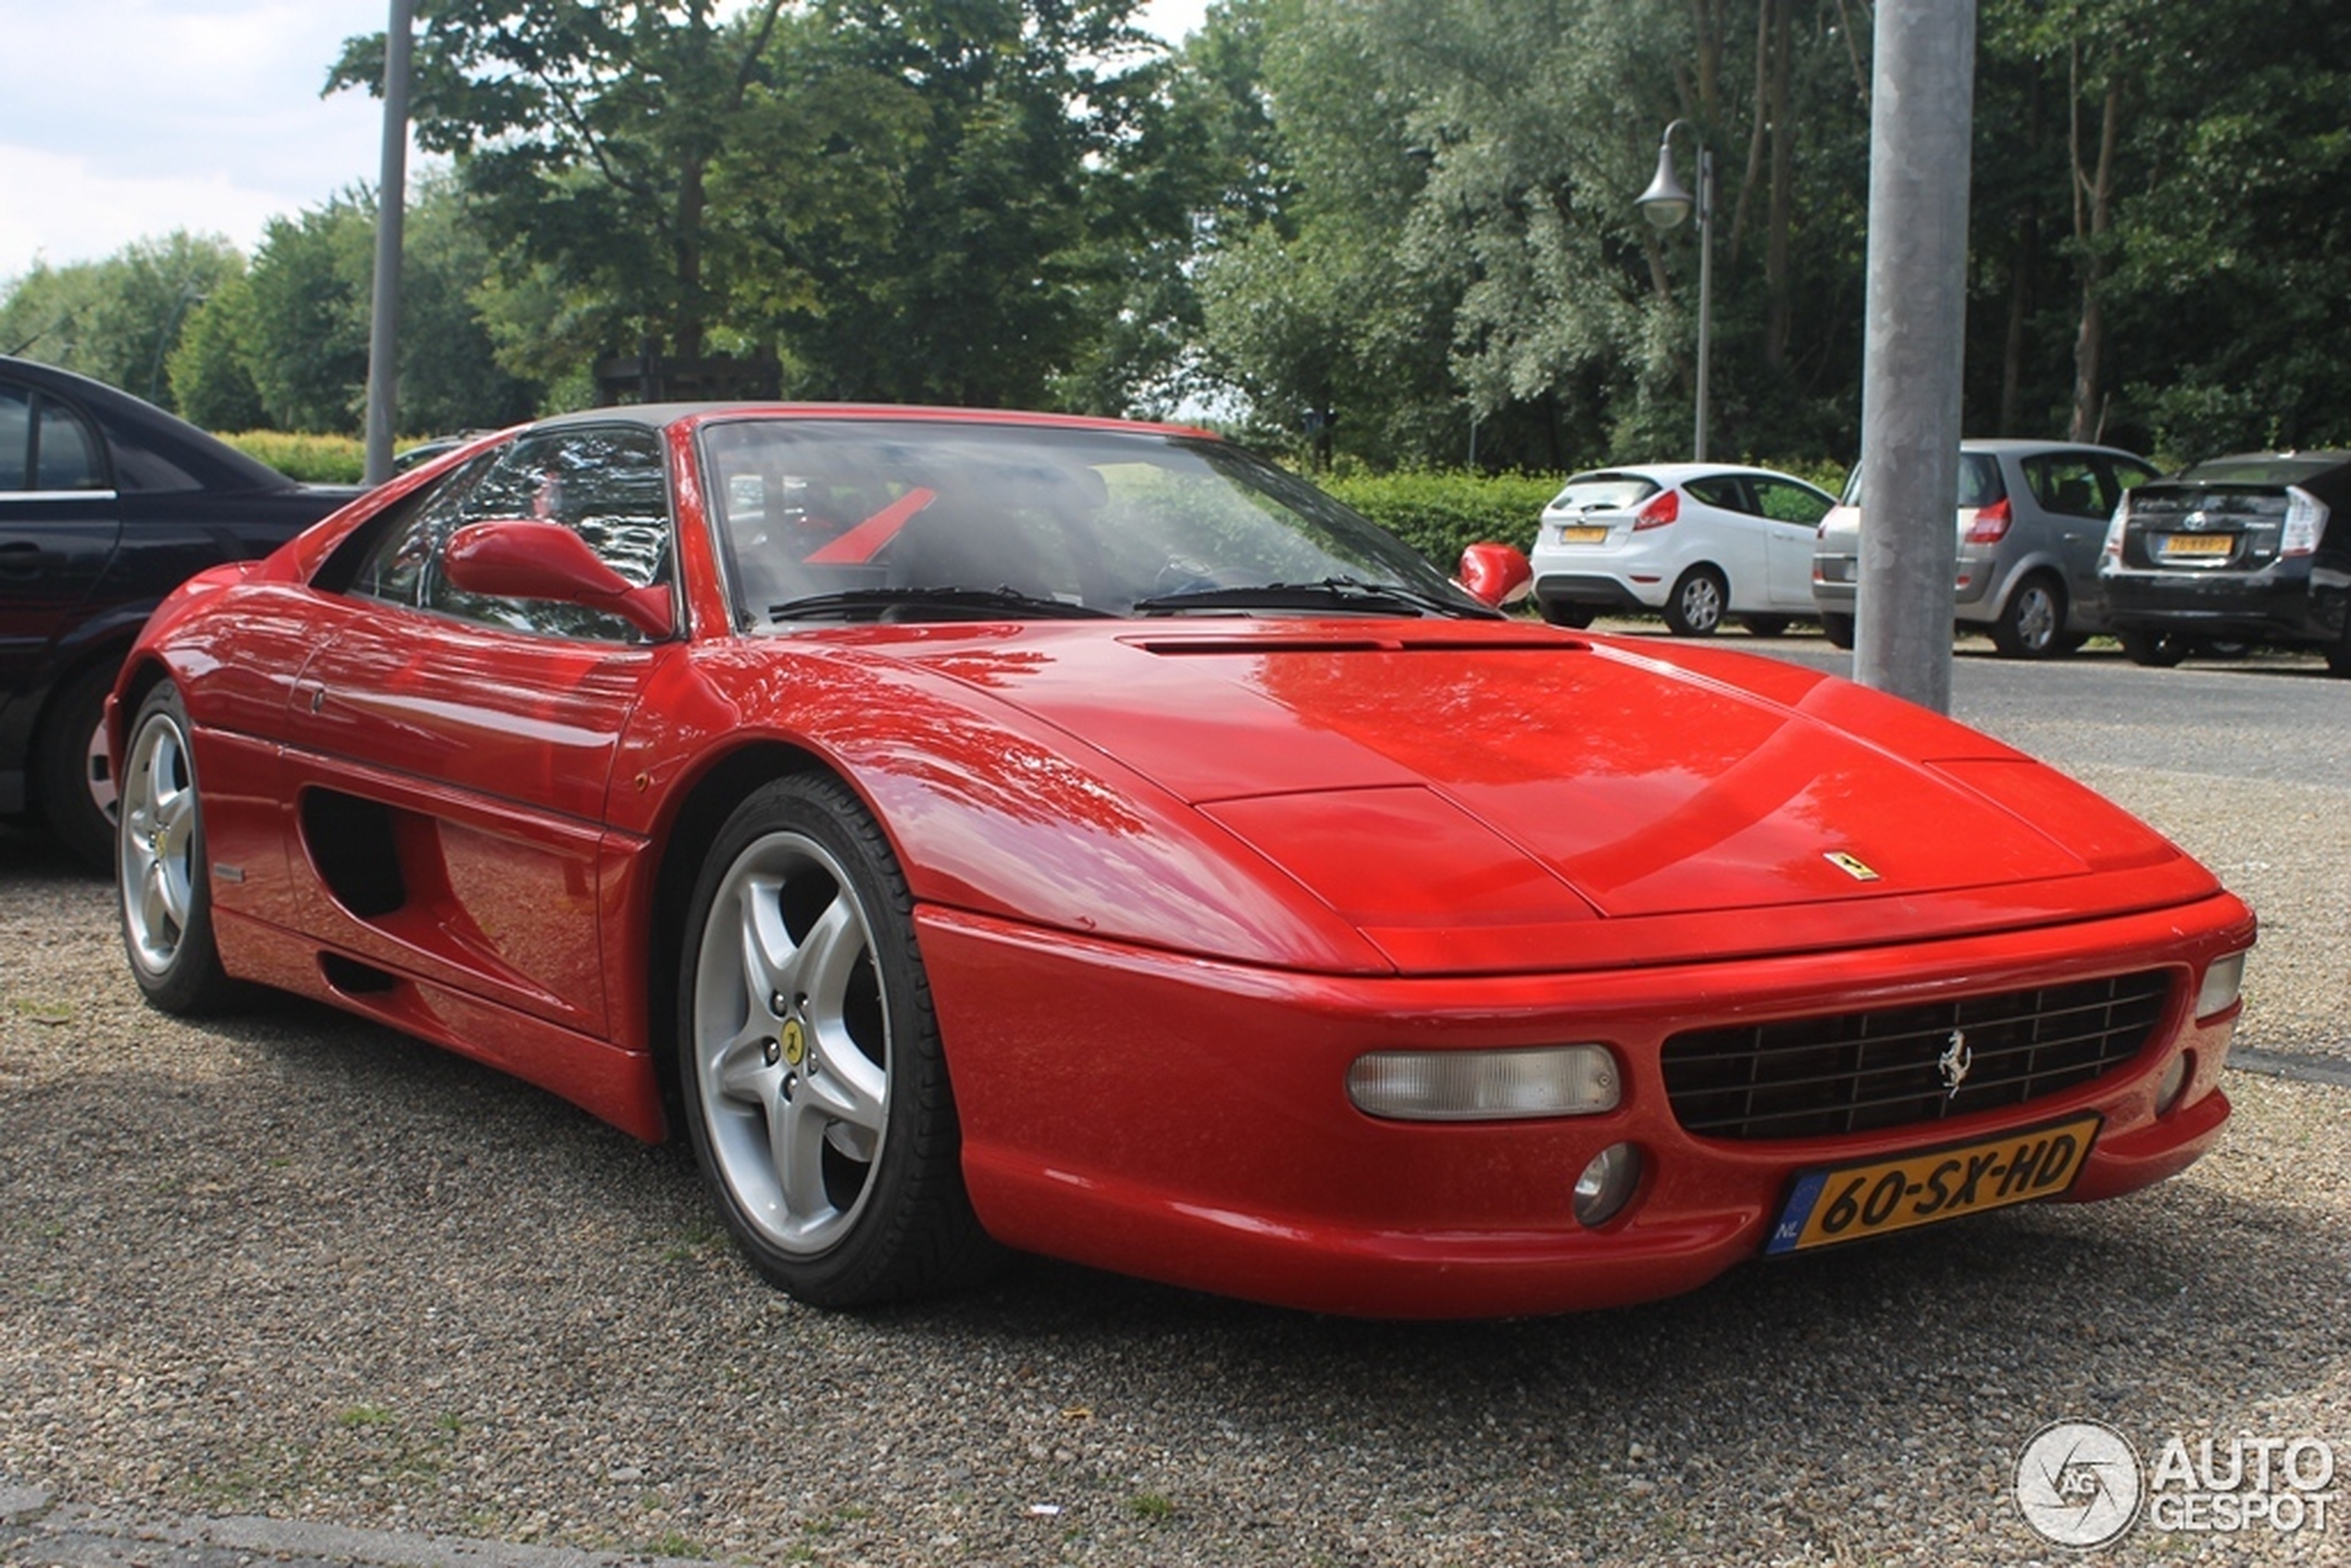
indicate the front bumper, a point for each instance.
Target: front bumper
{"x":1188,"y":1121}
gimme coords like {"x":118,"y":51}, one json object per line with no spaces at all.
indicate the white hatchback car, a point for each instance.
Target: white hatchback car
{"x":1697,"y":542}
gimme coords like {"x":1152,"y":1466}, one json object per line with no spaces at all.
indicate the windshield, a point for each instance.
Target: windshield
{"x":902,"y":520}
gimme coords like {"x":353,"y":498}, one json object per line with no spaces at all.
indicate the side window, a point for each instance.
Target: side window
{"x":2068,"y":485}
{"x":1786,"y":502}
{"x":1979,"y":481}
{"x":387,"y":558}
{"x":44,"y":445}
{"x":606,"y":483}
{"x":1721,"y":490}
{"x":16,"y":439}
{"x":2122,"y":477}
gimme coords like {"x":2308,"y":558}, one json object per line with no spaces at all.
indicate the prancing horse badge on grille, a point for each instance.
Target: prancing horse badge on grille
{"x":1954,"y":1064}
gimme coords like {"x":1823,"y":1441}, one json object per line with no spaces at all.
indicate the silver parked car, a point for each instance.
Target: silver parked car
{"x":2032,"y":523}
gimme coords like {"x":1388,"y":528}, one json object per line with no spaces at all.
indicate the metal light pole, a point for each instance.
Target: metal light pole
{"x":391,"y":205}
{"x":1921,"y":117}
{"x":1665,"y":203}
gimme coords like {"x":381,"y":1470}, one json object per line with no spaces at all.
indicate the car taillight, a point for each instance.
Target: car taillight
{"x":2305,"y":516}
{"x":1991,"y":523}
{"x":2117,"y":528}
{"x":1659,"y":511}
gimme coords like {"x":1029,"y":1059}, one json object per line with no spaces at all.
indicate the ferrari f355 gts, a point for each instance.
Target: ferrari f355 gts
{"x":984,"y":833}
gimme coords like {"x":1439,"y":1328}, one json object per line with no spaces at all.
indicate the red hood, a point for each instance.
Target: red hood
{"x":1432,"y":778}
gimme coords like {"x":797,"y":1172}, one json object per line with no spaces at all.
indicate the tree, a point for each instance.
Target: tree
{"x":586,"y":136}
{"x":941,"y":201}
{"x":116,"y":320}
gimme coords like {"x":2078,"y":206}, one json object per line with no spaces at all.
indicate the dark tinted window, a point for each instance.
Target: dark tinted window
{"x":44,"y":445}
{"x":2074,"y":484}
{"x":1721,"y":490}
{"x":16,"y":439}
{"x":68,"y":453}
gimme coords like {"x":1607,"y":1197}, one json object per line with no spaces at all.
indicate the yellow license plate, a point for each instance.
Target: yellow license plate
{"x":2198,"y":544}
{"x":1850,"y":1202}
{"x":1583,"y":536}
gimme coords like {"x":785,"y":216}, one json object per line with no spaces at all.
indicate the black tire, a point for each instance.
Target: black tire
{"x":1765,"y":626}
{"x":2151,"y":647}
{"x":2032,"y":624}
{"x":2339,"y":651}
{"x":162,"y":875}
{"x":809,"y":1063}
{"x":1576,"y":617}
{"x":1698,"y":603}
{"x":1838,"y":630}
{"x":78,"y":790}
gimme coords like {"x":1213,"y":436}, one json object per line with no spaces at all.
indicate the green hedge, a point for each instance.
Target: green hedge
{"x":1440,"y":513}
{"x":312,"y":459}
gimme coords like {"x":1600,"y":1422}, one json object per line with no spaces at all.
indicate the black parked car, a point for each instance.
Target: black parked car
{"x":107,"y":504}
{"x":2254,"y":548}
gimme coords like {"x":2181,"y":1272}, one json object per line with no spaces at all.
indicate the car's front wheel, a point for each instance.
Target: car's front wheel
{"x":2032,"y":624}
{"x":160,"y":865}
{"x":815,"y":1086}
{"x":1697,"y":605}
{"x":2147,"y":645}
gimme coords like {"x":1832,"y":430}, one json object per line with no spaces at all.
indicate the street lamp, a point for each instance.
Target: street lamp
{"x":1665,"y":203}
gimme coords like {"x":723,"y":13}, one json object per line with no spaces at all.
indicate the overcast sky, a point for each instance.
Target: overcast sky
{"x":125,"y":120}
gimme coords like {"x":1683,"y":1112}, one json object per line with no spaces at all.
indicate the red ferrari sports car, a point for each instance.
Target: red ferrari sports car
{"x":989,"y":831}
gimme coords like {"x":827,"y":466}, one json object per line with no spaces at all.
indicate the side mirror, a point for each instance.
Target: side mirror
{"x":1495,"y":575}
{"x":514,"y":559}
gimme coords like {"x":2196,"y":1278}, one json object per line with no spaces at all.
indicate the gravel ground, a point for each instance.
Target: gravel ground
{"x":269,"y":1282}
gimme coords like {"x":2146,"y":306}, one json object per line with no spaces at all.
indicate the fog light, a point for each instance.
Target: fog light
{"x":1485,"y":1085}
{"x":1606,"y":1183}
{"x":2176,"y":1078}
{"x":2223,"y":979}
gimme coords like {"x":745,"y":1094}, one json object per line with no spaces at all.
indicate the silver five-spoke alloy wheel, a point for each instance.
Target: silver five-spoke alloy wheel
{"x":158,"y":862}
{"x":791,"y":1043}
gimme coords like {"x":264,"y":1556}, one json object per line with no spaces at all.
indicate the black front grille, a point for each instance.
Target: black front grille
{"x":1819,"y":1077}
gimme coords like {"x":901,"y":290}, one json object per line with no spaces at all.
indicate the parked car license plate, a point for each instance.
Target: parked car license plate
{"x":1848,"y":1202}
{"x":1583,"y":535}
{"x":2198,"y":544}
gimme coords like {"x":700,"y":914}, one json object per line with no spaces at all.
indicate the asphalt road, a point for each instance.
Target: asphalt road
{"x":286,"y":1286}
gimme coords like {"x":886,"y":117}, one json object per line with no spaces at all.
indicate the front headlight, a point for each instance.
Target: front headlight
{"x":2223,"y":981}
{"x":1486,"y":1086}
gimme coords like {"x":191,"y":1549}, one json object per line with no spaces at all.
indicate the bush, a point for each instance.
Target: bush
{"x":1440,"y":513}
{"x":312,"y":459}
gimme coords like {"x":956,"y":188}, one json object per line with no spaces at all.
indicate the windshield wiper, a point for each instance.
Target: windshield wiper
{"x":930,"y":603}
{"x":1345,"y":593}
